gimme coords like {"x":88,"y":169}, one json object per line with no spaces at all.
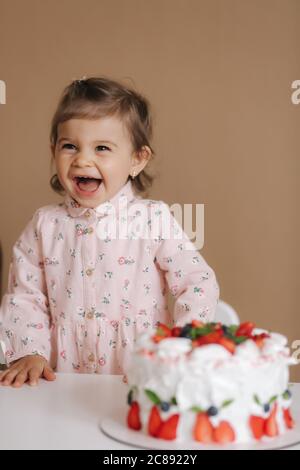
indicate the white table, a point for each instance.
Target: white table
{"x":64,"y":414}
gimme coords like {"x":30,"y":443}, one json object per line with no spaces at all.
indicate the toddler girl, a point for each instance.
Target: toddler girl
{"x":83,"y":281}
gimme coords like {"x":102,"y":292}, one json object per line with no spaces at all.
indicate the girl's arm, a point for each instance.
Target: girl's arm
{"x":24,"y":312}
{"x":191,"y":280}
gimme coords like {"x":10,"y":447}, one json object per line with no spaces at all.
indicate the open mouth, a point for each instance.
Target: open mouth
{"x":87,"y":185}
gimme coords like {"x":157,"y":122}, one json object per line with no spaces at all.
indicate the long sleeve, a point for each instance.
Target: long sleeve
{"x":24,"y":311}
{"x":190,"y":279}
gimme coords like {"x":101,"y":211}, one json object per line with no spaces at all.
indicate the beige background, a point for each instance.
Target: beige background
{"x":218,"y":74}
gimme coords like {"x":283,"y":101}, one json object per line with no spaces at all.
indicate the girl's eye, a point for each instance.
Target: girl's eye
{"x":70,"y":146}
{"x":64,"y":146}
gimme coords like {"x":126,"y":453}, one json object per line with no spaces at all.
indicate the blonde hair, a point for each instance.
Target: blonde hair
{"x":96,"y":97}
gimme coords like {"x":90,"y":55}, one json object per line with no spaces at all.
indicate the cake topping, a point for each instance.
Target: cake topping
{"x":201,"y":334}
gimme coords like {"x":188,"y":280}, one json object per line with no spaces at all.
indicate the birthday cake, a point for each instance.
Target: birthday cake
{"x":210,"y":383}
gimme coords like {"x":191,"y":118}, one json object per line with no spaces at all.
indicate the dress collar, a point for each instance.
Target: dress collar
{"x":120,"y":200}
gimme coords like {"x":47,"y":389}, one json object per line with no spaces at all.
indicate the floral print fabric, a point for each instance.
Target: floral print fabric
{"x":79,"y":296}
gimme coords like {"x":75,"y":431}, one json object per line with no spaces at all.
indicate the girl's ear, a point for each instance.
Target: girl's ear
{"x":52,"y":147}
{"x":142,"y":158}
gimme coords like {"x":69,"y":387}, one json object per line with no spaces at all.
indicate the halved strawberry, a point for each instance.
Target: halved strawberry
{"x":223,"y":433}
{"x":197,"y":324}
{"x":260,"y":339}
{"x":210,"y":338}
{"x":169,"y":428}
{"x":203,"y":430}
{"x":133,"y":417}
{"x":176,"y":331}
{"x":257,"y":426}
{"x":155,"y":422}
{"x":270,"y":425}
{"x":157,"y":339}
{"x":163,"y":330}
{"x":245,"y":329}
{"x":288,"y":419}
{"x":227,"y":343}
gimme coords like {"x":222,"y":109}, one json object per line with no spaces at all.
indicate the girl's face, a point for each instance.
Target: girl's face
{"x":99,"y":150}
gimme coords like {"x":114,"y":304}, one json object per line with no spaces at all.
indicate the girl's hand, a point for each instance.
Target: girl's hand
{"x":28,"y":368}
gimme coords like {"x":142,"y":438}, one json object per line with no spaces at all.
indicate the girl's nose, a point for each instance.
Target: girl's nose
{"x":84,"y":157}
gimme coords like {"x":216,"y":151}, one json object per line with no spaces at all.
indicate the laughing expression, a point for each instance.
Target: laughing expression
{"x":94,"y":158}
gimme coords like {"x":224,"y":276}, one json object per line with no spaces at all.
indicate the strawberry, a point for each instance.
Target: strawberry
{"x":228,"y":344}
{"x":288,"y":419}
{"x":203,"y":430}
{"x":163,"y":330}
{"x":210,"y":338}
{"x":257,"y":426}
{"x":270,"y":425}
{"x":157,"y":339}
{"x":133,"y":417}
{"x":260,"y":339}
{"x":223,"y":433}
{"x":245,"y":329}
{"x":155,"y":422}
{"x":197,"y":324}
{"x":168,"y":428}
{"x":176,"y":331}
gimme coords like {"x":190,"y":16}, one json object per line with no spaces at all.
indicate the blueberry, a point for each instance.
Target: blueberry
{"x":164,"y":406}
{"x":287,"y":394}
{"x":186,"y":331}
{"x":212,"y":411}
{"x":266,"y":408}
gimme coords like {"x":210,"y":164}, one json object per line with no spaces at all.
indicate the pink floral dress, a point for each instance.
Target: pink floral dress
{"x":79,"y":295}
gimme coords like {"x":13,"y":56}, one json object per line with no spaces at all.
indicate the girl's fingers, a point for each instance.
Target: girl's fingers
{"x":20,"y":378}
{"x":3,"y":374}
{"x":48,"y":373}
{"x":10,"y":376}
{"x":34,"y":375}
{"x":30,"y":369}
